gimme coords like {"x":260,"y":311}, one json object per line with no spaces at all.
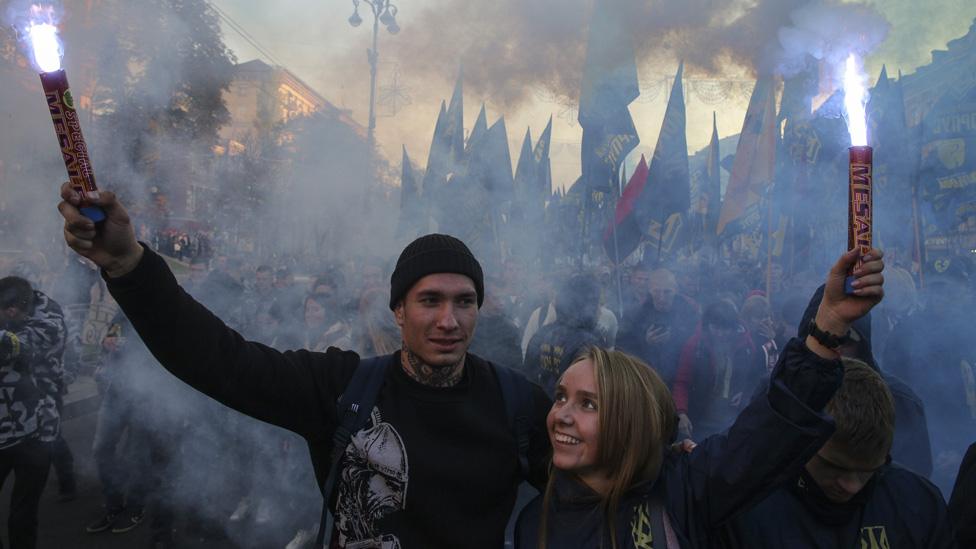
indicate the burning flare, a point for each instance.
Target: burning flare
{"x":44,"y":39}
{"x":61,"y":105}
{"x":855,"y":99}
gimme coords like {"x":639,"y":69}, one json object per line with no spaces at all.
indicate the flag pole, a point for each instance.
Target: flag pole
{"x":916,"y":221}
{"x":769,"y":244}
{"x":587,"y":196}
{"x":616,"y":251}
{"x":660,"y":240}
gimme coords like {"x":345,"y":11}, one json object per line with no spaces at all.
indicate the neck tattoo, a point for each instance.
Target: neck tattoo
{"x":446,"y":376}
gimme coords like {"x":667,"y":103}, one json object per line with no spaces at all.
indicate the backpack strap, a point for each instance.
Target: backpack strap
{"x":352,"y":412}
{"x":661,"y":529}
{"x":516,"y":393}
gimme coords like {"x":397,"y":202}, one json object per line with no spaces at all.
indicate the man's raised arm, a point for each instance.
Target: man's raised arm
{"x":295,"y":390}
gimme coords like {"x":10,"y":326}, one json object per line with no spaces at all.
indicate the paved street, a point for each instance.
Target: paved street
{"x":62,"y":524}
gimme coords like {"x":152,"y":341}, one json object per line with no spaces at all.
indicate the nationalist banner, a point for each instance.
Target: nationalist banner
{"x":413,"y":218}
{"x":894,"y":165}
{"x":754,"y":165}
{"x":947,"y":178}
{"x":706,"y":193}
{"x":660,"y":210}
{"x":624,"y":234}
{"x":609,"y":85}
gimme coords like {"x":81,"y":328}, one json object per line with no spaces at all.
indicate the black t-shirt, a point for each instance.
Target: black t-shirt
{"x":437,"y":467}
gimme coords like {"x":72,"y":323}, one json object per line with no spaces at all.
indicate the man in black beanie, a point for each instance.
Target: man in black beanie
{"x":434,"y":273}
{"x":437,"y":465}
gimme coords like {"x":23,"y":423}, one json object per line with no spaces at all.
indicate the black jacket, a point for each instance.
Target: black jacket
{"x":768,"y":444}
{"x":962,"y":504}
{"x":553,"y":348}
{"x":498,"y":337}
{"x":681,"y":319}
{"x":912,"y":447}
{"x":897,"y":508}
{"x":436,"y":467}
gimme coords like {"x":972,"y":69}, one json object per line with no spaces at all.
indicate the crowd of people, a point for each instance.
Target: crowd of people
{"x":807,"y":418}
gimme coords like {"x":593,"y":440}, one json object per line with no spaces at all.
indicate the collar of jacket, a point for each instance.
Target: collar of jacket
{"x":806,"y":489}
{"x":571,"y":493}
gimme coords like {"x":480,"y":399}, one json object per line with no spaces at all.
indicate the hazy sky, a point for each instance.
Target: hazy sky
{"x":315,"y":41}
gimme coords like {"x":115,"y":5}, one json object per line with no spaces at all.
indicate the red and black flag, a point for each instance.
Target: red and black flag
{"x":628,"y":231}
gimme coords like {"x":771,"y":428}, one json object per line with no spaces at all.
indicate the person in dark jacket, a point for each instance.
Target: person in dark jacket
{"x":437,"y":465}
{"x":497,"y":335}
{"x":912,"y":448}
{"x":33,"y":342}
{"x":615,"y":484}
{"x":962,"y":504}
{"x":933,"y":350}
{"x":554,"y":346}
{"x":656,"y":331}
{"x":757,"y":319}
{"x":850,"y":494}
{"x":132,"y":456}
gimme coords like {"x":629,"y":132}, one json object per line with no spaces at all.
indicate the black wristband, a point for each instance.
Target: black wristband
{"x":827,"y":339}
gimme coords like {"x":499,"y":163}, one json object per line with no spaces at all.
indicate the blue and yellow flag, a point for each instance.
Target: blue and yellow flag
{"x":609,"y":85}
{"x":660,"y":209}
{"x":894,"y":165}
{"x":754,"y":165}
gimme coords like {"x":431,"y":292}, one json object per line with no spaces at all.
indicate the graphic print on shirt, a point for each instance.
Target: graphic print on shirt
{"x":372,"y":484}
{"x":874,"y":537}
{"x":640,"y":528}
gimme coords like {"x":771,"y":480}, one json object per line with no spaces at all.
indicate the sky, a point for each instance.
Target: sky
{"x":521,"y":57}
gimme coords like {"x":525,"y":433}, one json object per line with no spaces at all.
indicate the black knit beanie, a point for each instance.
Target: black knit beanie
{"x":430,"y":254}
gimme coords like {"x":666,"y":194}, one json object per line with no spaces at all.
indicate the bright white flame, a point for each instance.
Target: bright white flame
{"x":855,"y":99}
{"x":44,"y":39}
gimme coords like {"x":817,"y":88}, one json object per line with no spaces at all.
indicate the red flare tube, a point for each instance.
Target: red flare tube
{"x":67,"y":127}
{"x":860,"y":210}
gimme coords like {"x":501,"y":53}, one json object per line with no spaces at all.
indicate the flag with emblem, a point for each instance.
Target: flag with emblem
{"x":893,"y":165}
{"x":609,"y":85}
{"x":754,"y":164}
{"x":661,"y":208}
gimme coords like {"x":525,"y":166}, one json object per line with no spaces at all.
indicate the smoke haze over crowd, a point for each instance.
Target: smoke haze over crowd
{"x":303,"y":195}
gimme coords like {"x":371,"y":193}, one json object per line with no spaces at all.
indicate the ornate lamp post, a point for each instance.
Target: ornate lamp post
{"x":384,"y":11}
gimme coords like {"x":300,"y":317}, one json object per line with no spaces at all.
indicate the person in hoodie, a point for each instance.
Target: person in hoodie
{"x":33,"y":335}
{"x":912,"y":448}
{"x":850,"y":494}
{"x":554,"y":346}
{"x":616,"y":484}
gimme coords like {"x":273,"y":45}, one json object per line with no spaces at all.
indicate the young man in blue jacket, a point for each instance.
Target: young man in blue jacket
{"x":850,"y":494}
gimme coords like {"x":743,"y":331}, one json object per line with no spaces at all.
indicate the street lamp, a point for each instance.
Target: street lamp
{"x":383,"y":12}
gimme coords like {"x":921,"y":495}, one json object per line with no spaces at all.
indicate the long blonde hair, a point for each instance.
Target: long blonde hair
{"x":637,"y":420}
